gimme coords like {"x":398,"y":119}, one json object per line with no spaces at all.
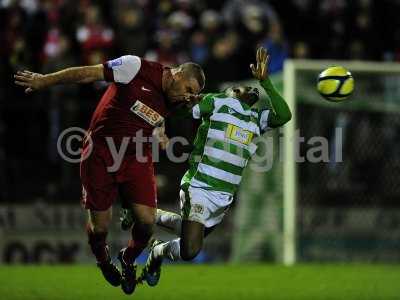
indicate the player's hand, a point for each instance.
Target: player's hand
{"x":260,"y":71}
{"x":30,"y":81}
{"x":159,"y":134}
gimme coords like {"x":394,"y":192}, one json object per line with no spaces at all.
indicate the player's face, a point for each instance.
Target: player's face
{"x":246,"y":93}
{"x":182,"y":87}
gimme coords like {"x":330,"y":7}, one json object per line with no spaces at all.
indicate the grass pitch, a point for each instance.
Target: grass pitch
{"x":191,"y":282}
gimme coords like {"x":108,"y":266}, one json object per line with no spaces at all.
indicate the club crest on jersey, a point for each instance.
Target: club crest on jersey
{"x":198,"y":209}
{"x":147,"y":113}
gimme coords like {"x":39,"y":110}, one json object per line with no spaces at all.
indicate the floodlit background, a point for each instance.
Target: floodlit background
{"x":347,"y":213}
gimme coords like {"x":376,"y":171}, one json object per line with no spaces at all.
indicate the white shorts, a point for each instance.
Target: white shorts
{"x":207,"y":207}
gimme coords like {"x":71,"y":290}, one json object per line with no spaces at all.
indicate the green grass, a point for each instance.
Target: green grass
{"x":308,"y":282}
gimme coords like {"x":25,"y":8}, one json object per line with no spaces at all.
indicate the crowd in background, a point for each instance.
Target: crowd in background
{"x":45,"y":36}
{"x":42,"y":35}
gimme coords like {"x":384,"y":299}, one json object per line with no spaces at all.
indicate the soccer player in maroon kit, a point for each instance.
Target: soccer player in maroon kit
{"x":139,"y":98}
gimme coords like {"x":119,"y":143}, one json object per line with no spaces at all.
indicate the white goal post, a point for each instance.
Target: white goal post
{"x":290,"y":181}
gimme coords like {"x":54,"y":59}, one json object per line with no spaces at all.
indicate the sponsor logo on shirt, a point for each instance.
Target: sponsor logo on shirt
{"x":114,"y":63}
{"x":238,"y":134}
{"x":147,"y":113}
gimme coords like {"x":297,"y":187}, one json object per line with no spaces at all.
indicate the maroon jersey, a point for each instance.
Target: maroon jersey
{"x":133,"y":102}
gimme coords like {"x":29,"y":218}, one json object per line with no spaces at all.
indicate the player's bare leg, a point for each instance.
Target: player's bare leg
{"x":142,"y":231}
{"x":186,"y":248}
{"x":97,"y":229}
{"x":191,"y":239}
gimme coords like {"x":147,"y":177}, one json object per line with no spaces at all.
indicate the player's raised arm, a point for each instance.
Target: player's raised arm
{"x":121,"y":70}
{"x":35,"y":81}
{"x":279,"y":110}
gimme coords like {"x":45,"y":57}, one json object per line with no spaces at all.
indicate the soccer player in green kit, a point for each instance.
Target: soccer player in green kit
{"x":223,"y":146}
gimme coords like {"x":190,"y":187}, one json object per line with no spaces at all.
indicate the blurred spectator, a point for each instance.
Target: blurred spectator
{"x":166,"y":52}
{"x":180,"y":21}
{"x":132,"y":32}
{"x":210,"y":22}
{"x":250,"y":12}
{"x":13,"y":37}
{"x":250,"y":18}
{"x":94,"y":36}
{"x":62,"y":107}
{"x":277,"y":48}
{"x":222,"y":64}
{"x":301,"y":50}
{"x":199,"y":49}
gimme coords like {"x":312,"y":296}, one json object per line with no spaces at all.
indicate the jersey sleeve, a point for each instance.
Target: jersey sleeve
{"x":204,"y":107}
{"x":263,"y":120}
{"x":122,"y":69}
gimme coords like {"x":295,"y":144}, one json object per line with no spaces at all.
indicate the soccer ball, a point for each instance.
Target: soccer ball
{"x":335,"y":83}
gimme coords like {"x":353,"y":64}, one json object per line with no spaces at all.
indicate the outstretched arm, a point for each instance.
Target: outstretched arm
{"x":35,"y":81}
{"x":279,"y":110}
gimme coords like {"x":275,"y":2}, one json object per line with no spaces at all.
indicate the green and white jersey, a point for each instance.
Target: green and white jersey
{"x":224,"y":142}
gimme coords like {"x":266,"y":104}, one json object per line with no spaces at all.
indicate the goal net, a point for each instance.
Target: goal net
{"x":333,"y":193}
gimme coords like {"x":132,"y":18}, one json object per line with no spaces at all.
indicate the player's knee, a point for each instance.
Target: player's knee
{"x":189,"y":252}
{"x":144,"y":224}
{"x":99,"y":221}
{"x":98,"y":227}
